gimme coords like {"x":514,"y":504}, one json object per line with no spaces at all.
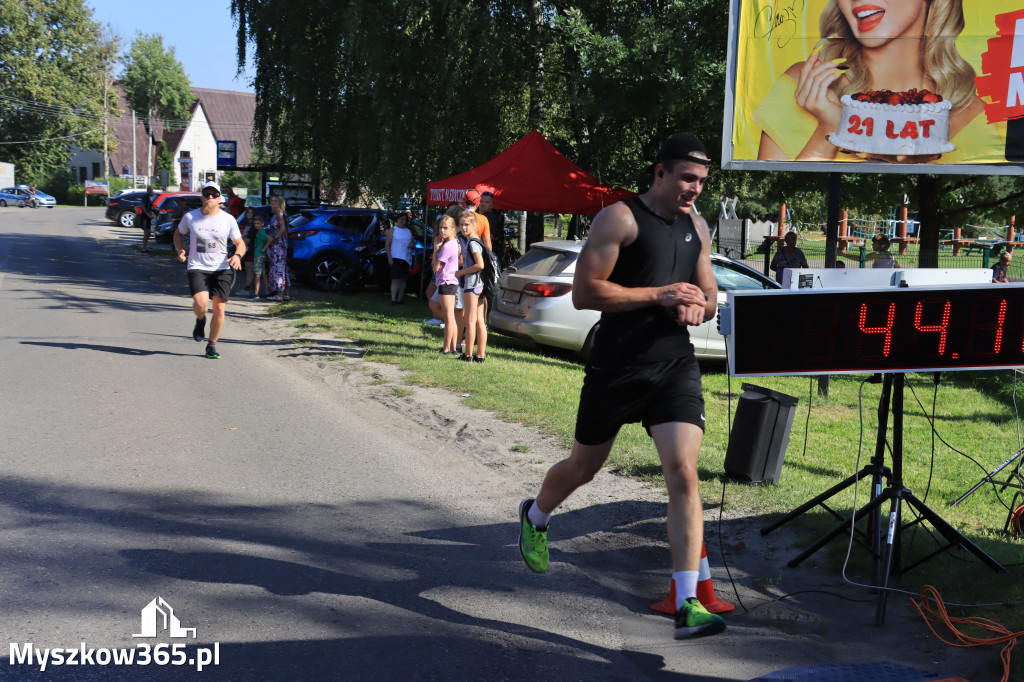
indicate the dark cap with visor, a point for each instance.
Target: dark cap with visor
{"x":681,"y":147}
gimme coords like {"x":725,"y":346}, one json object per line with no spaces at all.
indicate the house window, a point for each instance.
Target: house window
{"x":95,"y":170}
{"x":186,"y":155}
{"x":82,"y":173}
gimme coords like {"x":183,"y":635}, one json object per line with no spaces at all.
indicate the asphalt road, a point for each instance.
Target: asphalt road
{"x":304,"y":534}
{"x":306,"y":524}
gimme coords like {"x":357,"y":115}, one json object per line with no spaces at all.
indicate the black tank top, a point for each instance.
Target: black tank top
{"x":664,"y":252}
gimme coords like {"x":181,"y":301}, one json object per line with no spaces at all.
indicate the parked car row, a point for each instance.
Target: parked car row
{"x":22,"y":196}
{"x":534,"y":300}
{"x":340,"y":249}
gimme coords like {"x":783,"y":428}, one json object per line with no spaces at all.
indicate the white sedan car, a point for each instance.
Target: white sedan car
{"x":534,"y":302}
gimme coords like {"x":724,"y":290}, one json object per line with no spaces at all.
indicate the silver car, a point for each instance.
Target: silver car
{"x":534,"y":302}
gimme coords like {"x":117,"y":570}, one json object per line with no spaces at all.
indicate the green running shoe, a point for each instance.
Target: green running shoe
{"x":693,"y":620}
{"x":211,"y":352}
{"x":533,"y":541}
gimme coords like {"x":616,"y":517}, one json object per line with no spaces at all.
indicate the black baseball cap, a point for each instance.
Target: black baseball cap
{"x":681,"y":147}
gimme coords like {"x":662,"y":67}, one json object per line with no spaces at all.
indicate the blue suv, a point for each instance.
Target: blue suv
{"x":323,"y":243}
{"x":341,"y":249}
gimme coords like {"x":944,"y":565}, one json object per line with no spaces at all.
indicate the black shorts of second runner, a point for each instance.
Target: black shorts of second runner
{"x":651,"y":393}
{"x":218,"y":283}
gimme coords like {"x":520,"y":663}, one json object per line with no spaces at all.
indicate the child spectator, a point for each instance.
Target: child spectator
{"x":259,"y":260}
{"x":445,"y":262}
{"x":474,"y":319}
{"x":1000,"y":268}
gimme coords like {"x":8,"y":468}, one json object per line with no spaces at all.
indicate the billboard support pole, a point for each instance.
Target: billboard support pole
{"x":835,"y":186}
{"x":835,"y":191}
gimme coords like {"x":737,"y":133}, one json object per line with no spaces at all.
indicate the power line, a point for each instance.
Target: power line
{"x":51,"y":139}
{"x":55,"y":110}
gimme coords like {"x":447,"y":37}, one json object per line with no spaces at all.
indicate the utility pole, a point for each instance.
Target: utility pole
{"x":106,"y":154}
{"x":135,"y":161}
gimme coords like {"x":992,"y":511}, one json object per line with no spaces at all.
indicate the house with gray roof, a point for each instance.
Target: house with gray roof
{"x":218,"y":120}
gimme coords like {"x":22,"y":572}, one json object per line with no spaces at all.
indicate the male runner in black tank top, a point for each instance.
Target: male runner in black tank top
{"x":647,"y":267}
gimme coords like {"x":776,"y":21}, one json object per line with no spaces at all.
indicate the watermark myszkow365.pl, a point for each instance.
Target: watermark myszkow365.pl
{"x":157,"y":616}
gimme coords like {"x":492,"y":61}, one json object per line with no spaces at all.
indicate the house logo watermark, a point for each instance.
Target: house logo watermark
{"x":158,"y":619}
{"x":158,"y":616}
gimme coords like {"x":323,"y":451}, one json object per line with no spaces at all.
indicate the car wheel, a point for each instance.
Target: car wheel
{"x":21,"y":203}
{"x":588,"y":345}
{"x":3,"y":204}
{"x":126,"y":219}
{"x":331,"y":273}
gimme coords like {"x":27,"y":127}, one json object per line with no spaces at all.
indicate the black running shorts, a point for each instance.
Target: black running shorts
{"x":652,"y":393}
{"x":218,"y":283}
{"x":447,"y":289}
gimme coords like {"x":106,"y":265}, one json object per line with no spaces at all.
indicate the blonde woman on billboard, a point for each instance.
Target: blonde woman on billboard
{"x":882,"y":44}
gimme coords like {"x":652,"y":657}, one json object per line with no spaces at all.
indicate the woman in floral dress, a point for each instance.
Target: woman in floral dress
{"x":277,"y":253}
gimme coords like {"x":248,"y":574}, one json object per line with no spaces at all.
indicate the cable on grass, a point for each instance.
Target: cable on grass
{"x":935,"y":432}
{"x":933,"y":610}
{"x":721,"y":511}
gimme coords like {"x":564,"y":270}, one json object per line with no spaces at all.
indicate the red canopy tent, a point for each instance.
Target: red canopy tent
{"x":531,"y":175}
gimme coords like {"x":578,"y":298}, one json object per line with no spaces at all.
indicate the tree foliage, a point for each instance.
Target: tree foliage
{"x":395,"y":93}
{"x":155,"y":83}
{"x":399,"y":92}
{"x":164,"y":158}
{"x":52,"y":61}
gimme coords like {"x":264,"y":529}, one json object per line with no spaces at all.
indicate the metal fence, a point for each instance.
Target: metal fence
{"x":855,"y":255}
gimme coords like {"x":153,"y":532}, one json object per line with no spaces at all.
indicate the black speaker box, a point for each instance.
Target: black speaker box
{"x":760,"y":434}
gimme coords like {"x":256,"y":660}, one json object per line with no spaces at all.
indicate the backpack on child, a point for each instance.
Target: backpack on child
{"x":492,"y":269}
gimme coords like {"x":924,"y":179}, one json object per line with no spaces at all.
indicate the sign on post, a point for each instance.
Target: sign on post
{"x":227,"y":153}
{"x":185,"y":163}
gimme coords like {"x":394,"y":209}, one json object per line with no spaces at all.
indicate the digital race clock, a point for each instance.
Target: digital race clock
{"x":928,"y":328}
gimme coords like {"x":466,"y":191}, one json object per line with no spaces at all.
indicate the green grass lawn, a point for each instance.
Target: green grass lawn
{"x":976,"y":429}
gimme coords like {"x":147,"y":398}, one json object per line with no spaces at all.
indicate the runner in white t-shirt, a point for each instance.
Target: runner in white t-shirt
{"x":210,"y":271}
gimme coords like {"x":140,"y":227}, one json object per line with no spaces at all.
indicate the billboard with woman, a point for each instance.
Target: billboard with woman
{"x":888,"y":85}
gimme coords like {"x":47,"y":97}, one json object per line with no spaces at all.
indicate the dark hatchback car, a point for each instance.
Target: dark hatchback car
{"x":123,"y":209}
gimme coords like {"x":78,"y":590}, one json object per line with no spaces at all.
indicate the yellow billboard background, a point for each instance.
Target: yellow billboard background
{"x":774,"y":36}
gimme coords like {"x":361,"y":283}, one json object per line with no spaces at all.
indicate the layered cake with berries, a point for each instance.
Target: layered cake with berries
{"x":911,"y":123}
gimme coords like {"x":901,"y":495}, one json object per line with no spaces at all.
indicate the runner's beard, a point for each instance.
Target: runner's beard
{"x":210,"y":208}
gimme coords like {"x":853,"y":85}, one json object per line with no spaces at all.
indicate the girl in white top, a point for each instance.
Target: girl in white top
{"x":474,"y":307}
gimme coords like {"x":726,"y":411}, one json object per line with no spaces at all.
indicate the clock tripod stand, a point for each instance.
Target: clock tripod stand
{"x":886,"y":553}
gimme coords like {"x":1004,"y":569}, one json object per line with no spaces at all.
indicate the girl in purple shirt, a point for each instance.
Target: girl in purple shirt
{"x":446,"y":262}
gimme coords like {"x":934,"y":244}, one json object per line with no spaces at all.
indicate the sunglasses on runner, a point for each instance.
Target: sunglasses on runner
{"x":210,"y":193}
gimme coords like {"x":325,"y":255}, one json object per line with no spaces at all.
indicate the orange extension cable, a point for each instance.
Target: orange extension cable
{"x":933,"y":610}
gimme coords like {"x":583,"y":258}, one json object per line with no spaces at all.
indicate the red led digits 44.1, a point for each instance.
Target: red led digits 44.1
{"x":878,"y":330}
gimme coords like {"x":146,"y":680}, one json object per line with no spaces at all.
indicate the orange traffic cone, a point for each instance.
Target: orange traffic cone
{"x":705,"y":591}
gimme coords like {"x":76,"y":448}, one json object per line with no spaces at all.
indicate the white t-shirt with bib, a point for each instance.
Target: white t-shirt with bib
{"x":208,"y":243}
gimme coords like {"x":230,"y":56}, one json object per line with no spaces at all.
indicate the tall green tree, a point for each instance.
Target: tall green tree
{"x":385,"y":94}
{"x":394,"y":93}
{"x":155,"y":84}
{"x":52,"y":60}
